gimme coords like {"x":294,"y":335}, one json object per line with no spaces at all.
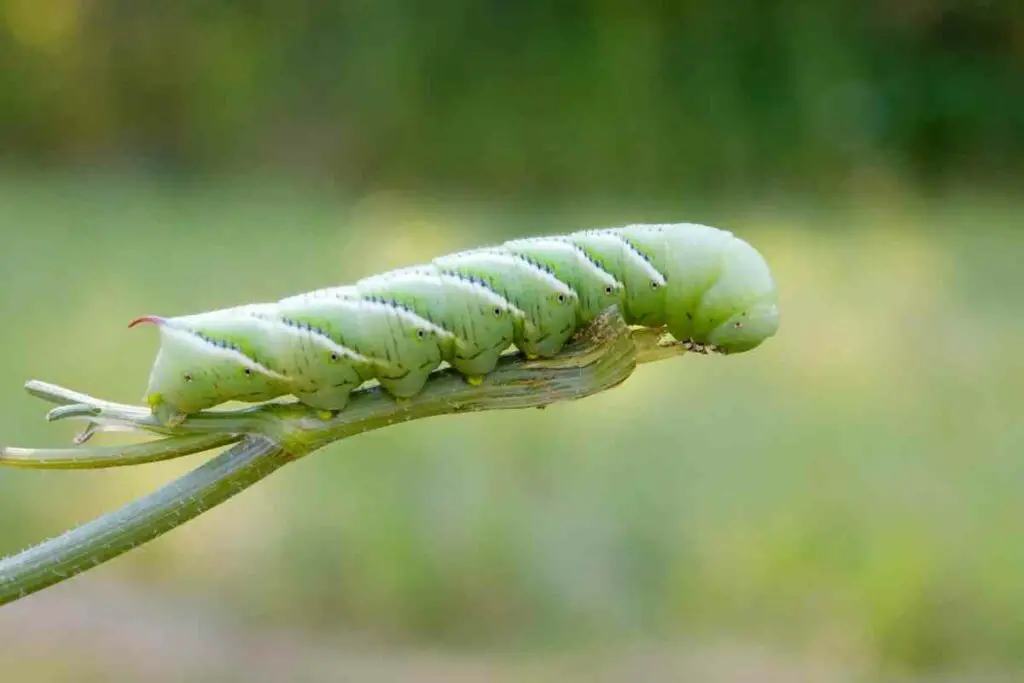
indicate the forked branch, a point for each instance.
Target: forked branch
{"x":267,"y":437}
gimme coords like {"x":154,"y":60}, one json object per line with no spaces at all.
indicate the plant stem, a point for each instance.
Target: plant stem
{"x":113,"y":456}
{"x":106,"y":537}
{"x":273,"y":435}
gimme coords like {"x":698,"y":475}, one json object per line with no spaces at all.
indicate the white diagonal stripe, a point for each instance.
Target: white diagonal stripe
{"x":564,"y":243}
{"x":612,"y":237}
{"x":214,"y":349}
{"x":502,"y":258}
{"x":319,"y":337}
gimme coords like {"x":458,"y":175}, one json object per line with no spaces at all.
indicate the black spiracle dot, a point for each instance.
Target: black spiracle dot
{"x":187,"y":377}
{"x":497,"y":311}
{"x":560,"y":298}
{"x":334,"y":357}
{"x":421,"y":333}
{"x":655,"y":284}
{"x":609,"y":290}
{"x":248,"y":372}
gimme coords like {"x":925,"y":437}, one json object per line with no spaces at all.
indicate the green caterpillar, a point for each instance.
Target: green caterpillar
{"x":703,"y":284}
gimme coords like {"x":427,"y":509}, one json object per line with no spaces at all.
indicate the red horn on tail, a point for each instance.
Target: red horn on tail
{"x":156,"y":320}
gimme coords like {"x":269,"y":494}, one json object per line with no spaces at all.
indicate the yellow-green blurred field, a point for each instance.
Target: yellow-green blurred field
{"x":844,"y":504}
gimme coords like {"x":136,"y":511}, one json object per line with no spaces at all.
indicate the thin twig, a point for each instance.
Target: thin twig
{"x":110,"y":535}
{"x":113,"y":456}
{"x":604,"y":355}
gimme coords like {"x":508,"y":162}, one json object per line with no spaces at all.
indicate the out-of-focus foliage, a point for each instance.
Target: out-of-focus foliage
{"x":529,"y":97}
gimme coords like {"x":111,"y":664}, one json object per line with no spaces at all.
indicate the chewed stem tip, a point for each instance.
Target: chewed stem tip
{"x":156,"y":320}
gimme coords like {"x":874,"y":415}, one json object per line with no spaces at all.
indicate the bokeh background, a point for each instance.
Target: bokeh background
{"x":845,"y":504}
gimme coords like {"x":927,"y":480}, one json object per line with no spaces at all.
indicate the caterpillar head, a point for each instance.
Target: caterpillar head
{"x":193,"y":371}
{"x":741,"y":309}
{"x":747,"y":329}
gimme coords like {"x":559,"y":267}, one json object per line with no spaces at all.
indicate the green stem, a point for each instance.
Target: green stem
{"x":113,"y":456}
{"x":273,"y":435}
{"x":106,"y":537}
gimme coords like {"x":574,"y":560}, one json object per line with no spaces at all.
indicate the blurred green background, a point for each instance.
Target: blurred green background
{"x":843,"y":504}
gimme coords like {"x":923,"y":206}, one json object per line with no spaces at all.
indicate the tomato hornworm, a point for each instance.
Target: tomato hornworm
{"x":703,"y":284}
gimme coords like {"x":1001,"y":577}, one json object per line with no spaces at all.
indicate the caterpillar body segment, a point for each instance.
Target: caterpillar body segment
{"x":547,"y":303}
{"x":704,"y":284}
{"x":479,"y":324}
{"x":641,"y":299}
{"x":231,"y":344}
{"x":592,"y":287}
